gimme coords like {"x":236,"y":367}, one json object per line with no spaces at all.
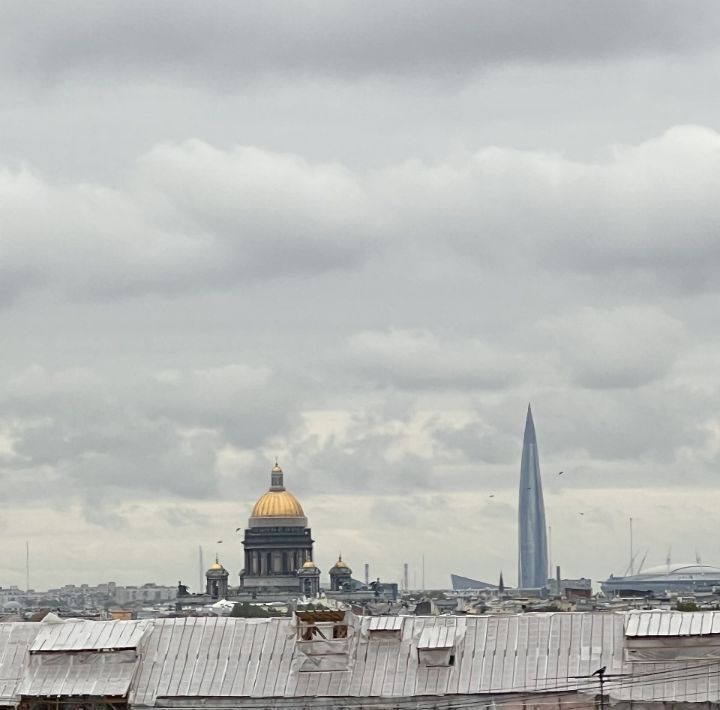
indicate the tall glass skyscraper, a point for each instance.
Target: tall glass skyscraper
{"x":532,"y":539}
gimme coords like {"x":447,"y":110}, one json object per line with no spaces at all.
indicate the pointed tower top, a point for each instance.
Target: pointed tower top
{"x":529,"y":436}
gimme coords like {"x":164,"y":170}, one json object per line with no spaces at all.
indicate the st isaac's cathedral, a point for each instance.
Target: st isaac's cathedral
{"x":278,"y":543}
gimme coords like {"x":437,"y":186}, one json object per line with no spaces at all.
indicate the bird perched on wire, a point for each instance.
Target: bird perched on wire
{"x":599,"y":671}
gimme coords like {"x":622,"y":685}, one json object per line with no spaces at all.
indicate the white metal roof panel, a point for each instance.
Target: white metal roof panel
{"x":72,"y":674}
{"x":185,"y":660}
{"x":15,"y":639}
{"x":80,"y":635}
{"x":437,"y":636}
{"x":385,"y":623}
{"x":672,"y":623}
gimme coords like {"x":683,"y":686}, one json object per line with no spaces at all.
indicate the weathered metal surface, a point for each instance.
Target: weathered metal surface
{"x":181,"y":662}
{"x":437,"y":637}
{"x":385,"y":623}
{"x":672,"y":623}
{"x":222,"y":657}
{"x":15,"y":640}
{"x":74,"y":674}
{"x":76,"y":635}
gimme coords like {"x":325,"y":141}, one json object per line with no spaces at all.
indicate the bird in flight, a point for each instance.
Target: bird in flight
{"x":582,"y":513}
{"x":218,"y":542}
{"x":492,"y":495}
{"x":238,"y":529}
{"x":561,"y":473}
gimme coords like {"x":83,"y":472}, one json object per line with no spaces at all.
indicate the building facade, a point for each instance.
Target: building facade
{"x":532,"y":538}
{"x":277,"y":540}
{"x":216,"y":581}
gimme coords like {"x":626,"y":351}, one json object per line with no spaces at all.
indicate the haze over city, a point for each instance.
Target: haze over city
{"x":360,"y":238}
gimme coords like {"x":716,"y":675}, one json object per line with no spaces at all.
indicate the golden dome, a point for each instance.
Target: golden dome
{"x":278,"y":504}
{"x":340,"y":564}
{"x":216,"y":565}
{"x":309,"y":565}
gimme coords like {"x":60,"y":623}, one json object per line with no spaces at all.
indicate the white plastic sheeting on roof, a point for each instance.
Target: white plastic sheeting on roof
{"x":89,"y":635}
{"x":672,"y":623}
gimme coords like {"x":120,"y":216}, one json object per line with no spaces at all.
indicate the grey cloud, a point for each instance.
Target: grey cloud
{"x":194,"y":217}
{"x":647,"y":212}
{"x":229,"y":44}
{"x":626,"y":347}
{"x":625,"y":437}
{"x":418,"y":359}
{"x":158,"y":435}
{"x":479,"y":441}
{"x":181,"y":516}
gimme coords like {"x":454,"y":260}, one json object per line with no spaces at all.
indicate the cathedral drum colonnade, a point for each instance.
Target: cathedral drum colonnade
{"x":277,"y":540}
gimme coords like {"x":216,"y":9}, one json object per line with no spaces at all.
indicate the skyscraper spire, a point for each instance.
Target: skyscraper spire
{"x":532,"y":538}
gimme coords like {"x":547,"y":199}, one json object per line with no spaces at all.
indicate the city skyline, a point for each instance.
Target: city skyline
{"x":361,"y":238}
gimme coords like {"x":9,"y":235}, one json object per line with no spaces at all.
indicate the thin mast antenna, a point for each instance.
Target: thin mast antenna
{"x":549,"y":570}
{"x":201,"y":569}
{"x":632,"y":555}
{"x":27,"y":565}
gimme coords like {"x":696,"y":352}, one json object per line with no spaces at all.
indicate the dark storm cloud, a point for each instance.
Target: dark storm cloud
{"x":229,"y":43}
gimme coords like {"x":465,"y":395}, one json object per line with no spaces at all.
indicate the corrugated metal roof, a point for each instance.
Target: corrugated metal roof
{"x":672,"y":623}
{"x":385,"y":623}
{"x":437,"y":637}
{"x":68,"y":674}
{"x":79,"y":635}
{"x":225,"y":657}
{"x":15,"y":639}
{"x":184,"y":660}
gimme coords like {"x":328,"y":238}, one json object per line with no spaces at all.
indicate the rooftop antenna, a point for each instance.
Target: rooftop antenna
{"x":423,"y":572}
{"x":549,"y":570}
{"x":201,"y":568}
{"x":27,"y":566}
{"x":632,"y":555}
{"x":668,"y":559}
{"x":642,"y":563}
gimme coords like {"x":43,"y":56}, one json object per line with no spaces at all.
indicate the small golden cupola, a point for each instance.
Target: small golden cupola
{"x":340,"y":576}
{"x":217,"y":580}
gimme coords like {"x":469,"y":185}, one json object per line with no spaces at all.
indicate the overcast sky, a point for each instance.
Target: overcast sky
{"x":361,"y":237}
